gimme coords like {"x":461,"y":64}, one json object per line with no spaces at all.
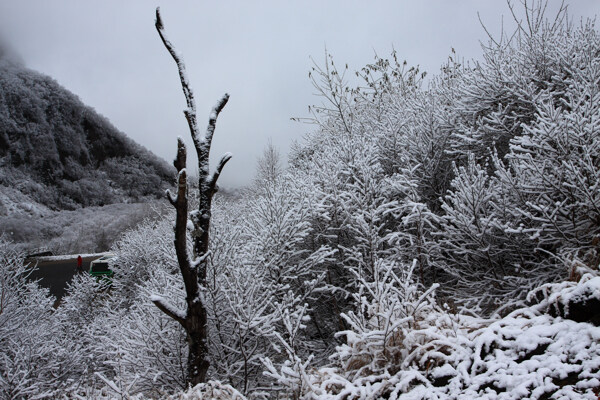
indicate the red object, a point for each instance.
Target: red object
{"x":79,"y":262}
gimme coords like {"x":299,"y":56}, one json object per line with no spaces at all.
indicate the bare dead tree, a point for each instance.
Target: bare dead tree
{"x":193,"y":267}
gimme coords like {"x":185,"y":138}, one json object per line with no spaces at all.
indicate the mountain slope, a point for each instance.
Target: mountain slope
{"x":61,"y":154}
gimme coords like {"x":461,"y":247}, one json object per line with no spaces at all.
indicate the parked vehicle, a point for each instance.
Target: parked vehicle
{"x":101,"y":267}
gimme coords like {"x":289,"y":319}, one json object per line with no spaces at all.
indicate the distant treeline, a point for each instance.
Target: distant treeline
{"x":61,"y":153}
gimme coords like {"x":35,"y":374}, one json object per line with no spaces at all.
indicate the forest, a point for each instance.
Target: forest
{"x":432,"y":237}
{"x":61,"y":153}
{"x":60,"y":161}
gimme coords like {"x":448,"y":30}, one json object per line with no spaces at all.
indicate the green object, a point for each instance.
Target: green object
{"x":100,"y":268}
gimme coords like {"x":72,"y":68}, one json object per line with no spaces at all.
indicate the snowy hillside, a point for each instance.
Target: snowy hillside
{"x":61,"y":154}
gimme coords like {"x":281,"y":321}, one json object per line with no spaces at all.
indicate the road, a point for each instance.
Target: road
{"x":55,"y":275}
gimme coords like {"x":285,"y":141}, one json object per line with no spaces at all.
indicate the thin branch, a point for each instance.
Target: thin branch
{"x":172,"y":199}
{"x":199,"y":260}
{"x":213,"y":182}
{"x":518,"y":21}
{"x":489,"y":35}
{"x":168,"y":309}
{"x":212,"y":121}
{"x":190,"y":113}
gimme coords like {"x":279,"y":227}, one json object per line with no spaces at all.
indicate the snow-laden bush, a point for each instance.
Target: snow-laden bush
{"x":555,"y":163}
{"x":260,"y":266}
{"x":140,"y":251}
{"x":37,"y":355}
{"x":442,"y":355}
{"x":143,"y":350}
{"x":213,"y":390}
{"x":395,"y":325}
{"x":389,"y":309}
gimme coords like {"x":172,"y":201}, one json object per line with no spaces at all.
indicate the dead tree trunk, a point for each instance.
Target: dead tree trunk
{"x":193,"y":267}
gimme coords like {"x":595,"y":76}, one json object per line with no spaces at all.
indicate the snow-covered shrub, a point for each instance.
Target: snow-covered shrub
{"x":395,"y":325}
{"x":260,"y":264}
{"x":291,"y":375}
{"x":143,"y":349}
{"x":274,"y":231}
{"x":399,"y":338}
{"x":478,"y":245}
{"x":239,"y":299}
{"x":81,"y":318}
{"x":388,"y":308}
{"x":213,"y":390}
{"x":527,"y":354}
{"x":36,"y":357}
{"x":555,"y":163}
{"x":141,"y":252}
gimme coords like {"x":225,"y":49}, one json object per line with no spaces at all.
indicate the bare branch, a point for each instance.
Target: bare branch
{"x":179,"y":162}
{"x":489,"y":35}
{"x":213,"y":182}
{"x":168,"y":309}
{"x":199,"y":260}
{"x":518,"y":21}
{"x":212,"y":121}
{"x":172,"y":199}
{"x":190,"y":112}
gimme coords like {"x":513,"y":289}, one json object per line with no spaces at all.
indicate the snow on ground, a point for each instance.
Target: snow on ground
{"x":528,"y":354}
{"x":13,"y":202}
{"x":213,"y":390}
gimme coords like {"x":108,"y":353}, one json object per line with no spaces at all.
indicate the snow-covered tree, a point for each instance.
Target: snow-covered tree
{"x":193,"y":266}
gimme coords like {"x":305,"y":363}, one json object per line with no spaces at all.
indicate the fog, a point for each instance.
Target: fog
{"x":109,"y":54}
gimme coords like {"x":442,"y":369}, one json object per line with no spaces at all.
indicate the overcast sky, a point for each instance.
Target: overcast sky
{"x":109,"y":54}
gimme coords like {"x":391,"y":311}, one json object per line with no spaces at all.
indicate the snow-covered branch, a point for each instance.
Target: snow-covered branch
{"x":213,"y":181}
{"x":212,"y":121}
{"x":190,"y":112}
{"x":169,"y":309}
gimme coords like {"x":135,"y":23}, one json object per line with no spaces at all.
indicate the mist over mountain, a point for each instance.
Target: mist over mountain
{"x":57,"y":153}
